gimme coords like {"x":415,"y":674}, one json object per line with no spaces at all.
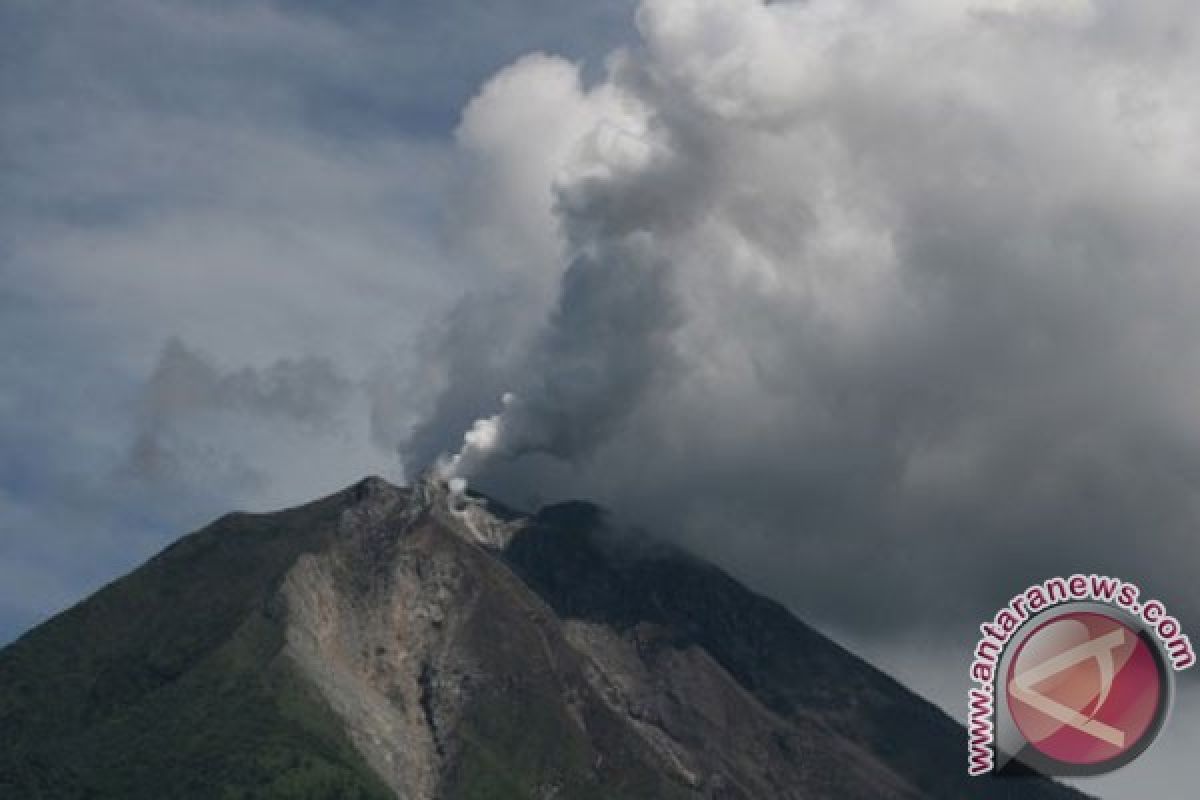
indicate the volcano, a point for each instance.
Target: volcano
{"x":393,"y":642}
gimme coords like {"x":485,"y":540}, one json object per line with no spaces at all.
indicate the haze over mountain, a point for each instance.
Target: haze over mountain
{"x":414,"y":643}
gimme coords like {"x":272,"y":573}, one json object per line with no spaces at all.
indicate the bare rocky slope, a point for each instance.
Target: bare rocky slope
{"x":395,"y":642}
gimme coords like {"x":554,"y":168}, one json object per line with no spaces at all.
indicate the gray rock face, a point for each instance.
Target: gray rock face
{"x":473,"y":652}
{"x":377,"y":623}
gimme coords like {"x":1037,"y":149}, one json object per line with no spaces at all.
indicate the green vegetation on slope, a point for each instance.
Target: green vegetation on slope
{"x":169,"y":682}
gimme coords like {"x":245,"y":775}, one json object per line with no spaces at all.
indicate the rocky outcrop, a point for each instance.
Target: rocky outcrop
{"x":447,"y":649}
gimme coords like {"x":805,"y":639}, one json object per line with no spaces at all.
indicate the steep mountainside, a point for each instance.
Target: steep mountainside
{"x":389,"y":642}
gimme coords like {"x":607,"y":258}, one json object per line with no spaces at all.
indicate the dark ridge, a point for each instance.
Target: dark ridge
{"x":582,"y":573}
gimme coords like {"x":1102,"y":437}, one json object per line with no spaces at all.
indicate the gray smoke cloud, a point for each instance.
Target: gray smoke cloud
{"x":859,"y":299}
{"x":616,"y":197}
{"x":200,"y":423}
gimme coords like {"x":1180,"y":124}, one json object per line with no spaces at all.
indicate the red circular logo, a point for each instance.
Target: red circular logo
{"x":1084,"y":688}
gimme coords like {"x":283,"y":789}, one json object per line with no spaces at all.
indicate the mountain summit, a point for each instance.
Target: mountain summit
{"x":420,"y":643}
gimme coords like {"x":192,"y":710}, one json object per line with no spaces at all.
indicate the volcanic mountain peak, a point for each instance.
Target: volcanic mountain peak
{"x":425,"y":643}
{"x":470,"y":515}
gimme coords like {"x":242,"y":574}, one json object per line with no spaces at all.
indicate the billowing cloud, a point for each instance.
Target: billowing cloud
{"x":861,"y":299}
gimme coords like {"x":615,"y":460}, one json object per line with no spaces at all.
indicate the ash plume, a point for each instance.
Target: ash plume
{"x":873,"y":291}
